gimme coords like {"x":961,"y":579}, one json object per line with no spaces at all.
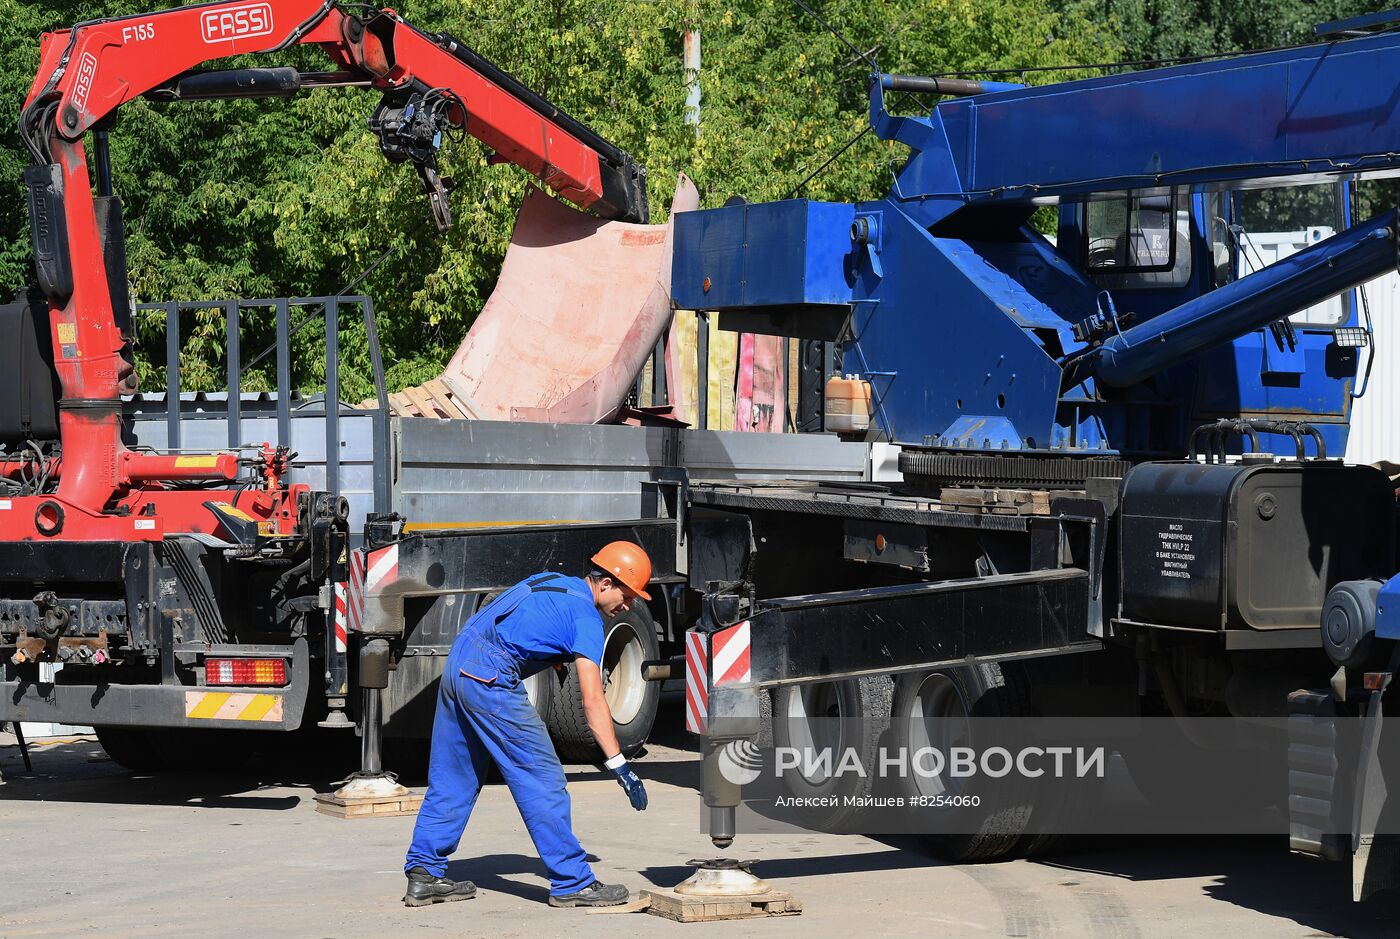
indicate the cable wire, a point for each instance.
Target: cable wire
{"x":831,"y":29}
{"x":832,"y":159}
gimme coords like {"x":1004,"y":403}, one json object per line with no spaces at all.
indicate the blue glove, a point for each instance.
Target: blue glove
{"x":630,"y":782}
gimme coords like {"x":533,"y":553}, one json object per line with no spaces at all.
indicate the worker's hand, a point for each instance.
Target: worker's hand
{"x":630,"y":782}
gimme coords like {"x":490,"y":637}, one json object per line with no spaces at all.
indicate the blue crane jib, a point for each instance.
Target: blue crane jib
{"x":1149,"y":314}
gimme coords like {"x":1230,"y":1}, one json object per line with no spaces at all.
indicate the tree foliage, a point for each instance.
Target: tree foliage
{"x":291,"y":197}
{"x":1165,"y":29}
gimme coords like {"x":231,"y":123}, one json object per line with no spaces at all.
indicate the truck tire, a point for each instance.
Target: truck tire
{"x":204,"y":751}
{"x":1063,"y":815}
{"x":629,"y":640}
{"x":837,"y":715}
{"x":134,"y":748}
{"x":931,"y":709}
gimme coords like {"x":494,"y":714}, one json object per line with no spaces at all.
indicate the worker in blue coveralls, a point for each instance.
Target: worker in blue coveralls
{"x":484,"y":716}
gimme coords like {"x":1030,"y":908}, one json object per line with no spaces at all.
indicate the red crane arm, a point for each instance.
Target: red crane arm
{"x":430,"y":83}
{"x":89,"y":71}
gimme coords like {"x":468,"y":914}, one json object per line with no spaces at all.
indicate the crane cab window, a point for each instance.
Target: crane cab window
{"x":1138,"y":240}
{"x":1271,"y":224}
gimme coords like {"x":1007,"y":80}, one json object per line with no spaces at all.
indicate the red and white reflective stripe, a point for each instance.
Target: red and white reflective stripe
{"x":342,"y":615}
{"x":697,"y":681}
{"x":381,"y":569}
{"x":355,"y":591}
{"x":369,"y":573}
{"x":730,"y":655}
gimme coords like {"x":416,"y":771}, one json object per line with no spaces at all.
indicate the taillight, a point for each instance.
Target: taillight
{"x":245,"y":671}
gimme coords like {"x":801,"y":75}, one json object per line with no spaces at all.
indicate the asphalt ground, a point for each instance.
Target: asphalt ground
{"x":92,"y":850}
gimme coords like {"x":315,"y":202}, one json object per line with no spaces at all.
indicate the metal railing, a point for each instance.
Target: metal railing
{"x":329,"y":309}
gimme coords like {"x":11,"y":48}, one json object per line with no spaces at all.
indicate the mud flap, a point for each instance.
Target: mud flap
{"x":1375,"y":863}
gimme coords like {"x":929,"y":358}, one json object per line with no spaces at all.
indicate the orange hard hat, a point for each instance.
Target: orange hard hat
{"x":627,"y":564}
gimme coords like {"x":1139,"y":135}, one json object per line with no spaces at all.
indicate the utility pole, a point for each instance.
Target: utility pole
{"x":690,"y":37}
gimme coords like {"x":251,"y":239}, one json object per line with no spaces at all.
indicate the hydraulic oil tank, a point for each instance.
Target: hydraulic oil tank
{"x":1239,"y":546}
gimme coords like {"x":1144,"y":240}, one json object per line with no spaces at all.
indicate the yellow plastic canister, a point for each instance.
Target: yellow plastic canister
{"x":847,"y":404}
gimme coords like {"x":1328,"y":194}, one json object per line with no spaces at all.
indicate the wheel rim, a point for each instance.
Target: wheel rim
{"x":623,"y":686}
{"x":814,"y":717}
{"x":534,"y":686}
{"x":937,"y":719}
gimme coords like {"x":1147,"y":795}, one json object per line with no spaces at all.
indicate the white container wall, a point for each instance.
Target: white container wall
{"x":1375,"y":435}
{"x":1375,"y":416}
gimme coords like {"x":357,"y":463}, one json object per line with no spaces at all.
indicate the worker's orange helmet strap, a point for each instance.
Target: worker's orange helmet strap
{"x":627,"y":564}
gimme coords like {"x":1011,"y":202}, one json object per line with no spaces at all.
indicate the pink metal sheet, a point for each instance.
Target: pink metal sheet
{"x":759,"y":404}
{"x":579,"y":305}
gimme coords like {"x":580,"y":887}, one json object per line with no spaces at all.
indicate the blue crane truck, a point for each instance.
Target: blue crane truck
{"x":1122,"y":492}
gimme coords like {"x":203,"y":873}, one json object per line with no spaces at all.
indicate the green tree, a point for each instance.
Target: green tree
{"x":1164,"y":29}
{"x":291,"y":197}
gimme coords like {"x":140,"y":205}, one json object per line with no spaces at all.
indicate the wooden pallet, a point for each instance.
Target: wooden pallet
{"x":328,"y":803}
{"x":997,"y":501}
{"x":688,"y":909}
{"x":431,"y":399}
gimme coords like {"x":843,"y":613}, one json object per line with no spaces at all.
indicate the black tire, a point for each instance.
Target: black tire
{"x":1062,"y":815}
{"x":629,"y":640}
{"x":134,"y":748}
{"x":166,"y":749}
{"x":1048,"y":844}
{"x":839,"y":715}
{"x":931,"y":709}
{"x":205,"y":751}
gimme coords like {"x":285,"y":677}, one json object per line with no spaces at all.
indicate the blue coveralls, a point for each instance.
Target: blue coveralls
{"x":483,"y":713}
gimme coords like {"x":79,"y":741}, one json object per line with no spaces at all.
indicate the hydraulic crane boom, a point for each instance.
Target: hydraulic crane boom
{"x":432,"y":85}
{"x":1307,"y":112}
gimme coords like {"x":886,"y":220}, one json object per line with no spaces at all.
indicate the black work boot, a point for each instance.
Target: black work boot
{"x":595,"y":894}
{"x":424,"y":889}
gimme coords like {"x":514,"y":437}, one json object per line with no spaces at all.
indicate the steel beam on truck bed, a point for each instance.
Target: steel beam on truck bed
{"x":474,"y":560}
{"x":846,"y":500}
{"x":876,"y":631}
{"x":881,"y":630}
